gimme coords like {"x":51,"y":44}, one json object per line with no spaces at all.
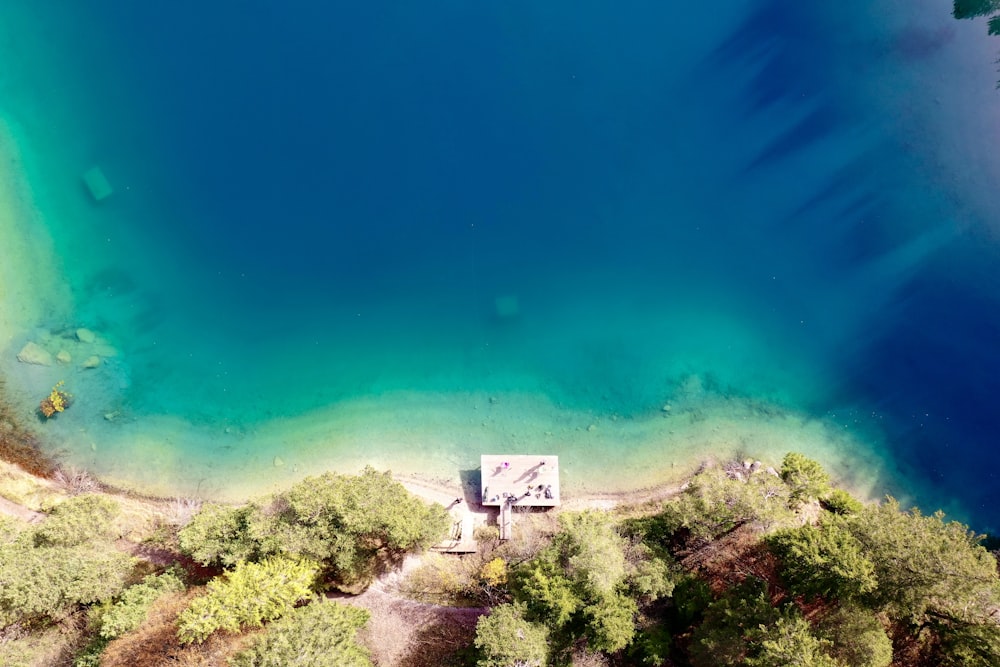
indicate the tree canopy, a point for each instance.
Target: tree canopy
{"x":925,"y":565}
{"x":505,"y":638}
{"x":345,"y":522}
{"x":320,"y":634}
{"x":247,"y":597}
{"x":823,"y":561}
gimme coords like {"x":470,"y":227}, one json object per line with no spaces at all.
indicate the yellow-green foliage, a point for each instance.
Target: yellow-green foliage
{"x":856,"y":637}
{"x":506,"y":638}
{"x":37,"y":582}
{"x":247,"y":597}
{"x":805,"y":478}
{"x":346,"y":522}
{"x":10,"y":528}
{"x":56,"y":401}
{"x":494,"y":572}
{"x":841,"y":502}
{"x":321,"y":634}
{"x":823,"y":561}
{"x":129,"y":611}
{"x":789,"y":641}
{"x":437,"y":580}
{"x":38,"y":649}
{"x":78,"y":520}
{"x":713,"y":504}
{"x":927,"y":568}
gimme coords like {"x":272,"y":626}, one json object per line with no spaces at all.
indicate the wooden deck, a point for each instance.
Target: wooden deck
{"x":460,"y":540}
{"x":525,"y":480}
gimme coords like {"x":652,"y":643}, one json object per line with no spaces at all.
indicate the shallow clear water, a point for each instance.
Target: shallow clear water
{"x":574,"y":211}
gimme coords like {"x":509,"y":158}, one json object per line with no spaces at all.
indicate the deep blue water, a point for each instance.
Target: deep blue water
{"x":319,"y":202}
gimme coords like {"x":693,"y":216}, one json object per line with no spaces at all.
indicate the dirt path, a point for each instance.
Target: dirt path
{"x":19,"y":511}
{"x":405,"y":633}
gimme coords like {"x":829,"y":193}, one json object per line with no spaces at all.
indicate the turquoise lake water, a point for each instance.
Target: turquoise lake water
{"x":405,"y":234}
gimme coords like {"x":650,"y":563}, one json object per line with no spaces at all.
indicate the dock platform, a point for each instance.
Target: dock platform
{"x":526,"y":480}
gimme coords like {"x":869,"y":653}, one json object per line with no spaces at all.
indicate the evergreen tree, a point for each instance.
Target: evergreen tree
{"x":805,"y":478}
{"x":247,"y":597}
{"x":506,"y":639}
{"x":320,"y":634}
{"x":823,"y":561}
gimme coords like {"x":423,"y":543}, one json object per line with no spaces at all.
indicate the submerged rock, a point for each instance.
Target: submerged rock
{"x":85,"y":335}
{"x":507,"y":306}
{"x":33,"y":353}
{"x":63,"y":357}
{"x":93,"y":361}
{"x":97,"y":183}
{"x":278,"y":462}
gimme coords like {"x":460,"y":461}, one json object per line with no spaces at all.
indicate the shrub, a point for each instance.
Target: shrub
{"x":494,"y":572}
{"x":78,"y":520}
{"x":37,"y":582}
{"x":321,"y":634}
{"x":248,"y":596}
{"x":129,"y":611}
{"x":221,"y":535}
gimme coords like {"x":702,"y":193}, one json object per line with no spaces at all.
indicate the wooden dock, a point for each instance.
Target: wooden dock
{"x":526,"y":480}
{"x":522,"y":480}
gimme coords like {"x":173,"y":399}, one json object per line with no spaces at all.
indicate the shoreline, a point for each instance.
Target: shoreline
{"x":414,"y":434}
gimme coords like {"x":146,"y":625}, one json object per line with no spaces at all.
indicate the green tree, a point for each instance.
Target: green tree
{"x":38,"y":582}
{"x":545,"y":590}
{"x":506,"y":639}
{"x":652,"y":578}
{"x":361,"y":517}
{"x":841,"y":502}
{"x":221,"y":535}
{"x":824,"y":560}
{"x":723,"y":637}
{"x":346,"y":522}
{"x":857,"y":638}
{"x":713,"y":504}
{"x":577,"y":585}
{"x":805,"y":478}
{"x":927,"y":569}
{"x":610,"y":622}
{"x":970,"y":644}
{"x":651,"y":646}
{"x":789,"y":642}
{"x":130,"y":609}
{"x":592,"y":550}
{"x":320,"y":634}
{"x":248,"y":596}
{"x":78,"y":520}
